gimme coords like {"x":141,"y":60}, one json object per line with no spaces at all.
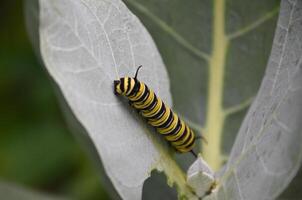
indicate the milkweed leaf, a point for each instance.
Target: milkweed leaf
{"x":267,"y":153}
{"x":187,"y":47}
{"x":220,"y":50}
{"x":85,"y":45}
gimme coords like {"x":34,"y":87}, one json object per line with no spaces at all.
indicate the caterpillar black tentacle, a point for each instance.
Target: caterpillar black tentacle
{"x":157,"y":114}
{"x":194,"y":154}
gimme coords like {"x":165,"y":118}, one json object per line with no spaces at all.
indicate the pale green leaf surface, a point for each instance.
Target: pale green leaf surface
{"x":85,"y":45}
{"x":267,"y":153}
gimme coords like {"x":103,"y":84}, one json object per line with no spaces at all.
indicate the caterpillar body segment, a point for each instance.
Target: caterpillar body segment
{"x":157,"y":113}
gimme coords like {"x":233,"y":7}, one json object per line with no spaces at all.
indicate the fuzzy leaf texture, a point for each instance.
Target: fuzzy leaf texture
{"x":85,"y":45}
{"x":267,"y":153}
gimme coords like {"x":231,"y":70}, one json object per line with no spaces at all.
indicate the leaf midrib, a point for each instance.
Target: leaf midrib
{"x":215,"y":112}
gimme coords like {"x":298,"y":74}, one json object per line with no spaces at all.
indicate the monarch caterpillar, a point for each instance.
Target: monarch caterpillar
{"x":157,"y":114}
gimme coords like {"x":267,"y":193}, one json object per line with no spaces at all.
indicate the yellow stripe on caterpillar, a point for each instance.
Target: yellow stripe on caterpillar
{"x":156,"y":113}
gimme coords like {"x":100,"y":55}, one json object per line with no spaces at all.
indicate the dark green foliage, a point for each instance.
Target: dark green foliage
{"x":36,"y":148}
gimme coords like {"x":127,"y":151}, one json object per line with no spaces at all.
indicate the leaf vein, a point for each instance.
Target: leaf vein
{"x":106,"y":35}
{"x":239,"y":107}
{"x":253,"y":25}
{"x":169,"y":30}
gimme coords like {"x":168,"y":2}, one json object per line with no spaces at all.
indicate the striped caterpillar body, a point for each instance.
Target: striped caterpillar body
{"x":157,"y":114}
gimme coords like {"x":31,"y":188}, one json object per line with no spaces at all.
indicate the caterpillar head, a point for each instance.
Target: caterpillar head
{"x":125,"y":85}
{"x":117,"y":87}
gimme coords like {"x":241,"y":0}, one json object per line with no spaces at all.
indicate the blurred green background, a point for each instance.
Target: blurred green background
{"x":36,"y":148}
